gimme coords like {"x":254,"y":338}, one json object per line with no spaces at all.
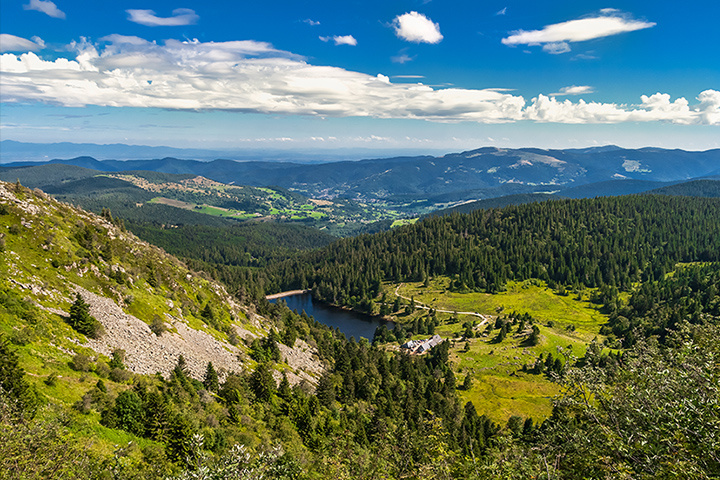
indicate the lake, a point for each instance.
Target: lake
{"x":352,"y":324}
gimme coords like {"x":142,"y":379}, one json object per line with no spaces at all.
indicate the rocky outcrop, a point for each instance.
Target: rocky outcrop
{"x":147,"y":353}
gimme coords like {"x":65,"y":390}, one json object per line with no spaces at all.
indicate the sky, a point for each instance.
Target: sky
{"x":317,"y":74}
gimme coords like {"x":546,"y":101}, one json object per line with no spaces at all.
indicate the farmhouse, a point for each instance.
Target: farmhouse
{"x":422,"y":346}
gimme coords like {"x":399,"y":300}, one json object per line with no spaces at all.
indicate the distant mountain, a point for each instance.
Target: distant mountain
{"x":612,"y":188}
{"x":13,"y":151}
{"x":498,"y":202}
{"x":472,"y":175}
{"x":695,"y":188}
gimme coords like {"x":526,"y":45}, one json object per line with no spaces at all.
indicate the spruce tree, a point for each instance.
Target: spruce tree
{"x":210,"y":381}
{"x":82,"y":321}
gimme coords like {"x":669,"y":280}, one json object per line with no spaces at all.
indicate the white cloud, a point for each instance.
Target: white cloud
{"x":38,"y":41}
{"x":11,"y":43}
{"x":311,"y":22}
{"x":345,"y":40}
{"x":574,"y":90}
{"x":248,"y":76}
{"x":46,"y":7}
{"x":502,"y":12}
{"x":340,"y":40}
{"x":402,"y":58}
{"x":584,"y":56}
{"x":555,"y":38}
{"x":416,"y":27}
{"x":556,"y":48}
{"x":180,"y":17}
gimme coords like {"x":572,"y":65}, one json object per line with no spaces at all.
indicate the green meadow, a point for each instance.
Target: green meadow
{"x":500,"y":388}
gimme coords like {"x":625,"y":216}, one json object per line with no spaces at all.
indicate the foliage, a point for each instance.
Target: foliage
{"x":24,"y":398}
{"x":691,"y":292}
{"x":81,"y":320}
{"x":610,"y":243}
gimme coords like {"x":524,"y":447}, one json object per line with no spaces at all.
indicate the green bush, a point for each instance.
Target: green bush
{"x":82,"y":321}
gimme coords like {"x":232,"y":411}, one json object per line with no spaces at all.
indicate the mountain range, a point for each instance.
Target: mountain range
{"x":458,"y":177}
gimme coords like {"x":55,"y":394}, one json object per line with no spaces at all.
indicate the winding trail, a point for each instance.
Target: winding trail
{"x":485,"y":318}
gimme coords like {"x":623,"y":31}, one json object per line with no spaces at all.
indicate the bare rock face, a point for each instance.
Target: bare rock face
{"x":147,"y":353}
{"x":303,"y":361}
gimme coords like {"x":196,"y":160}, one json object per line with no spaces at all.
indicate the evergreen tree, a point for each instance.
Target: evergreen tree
{"x":284,"y":390}
{"x":82,"y":321}
{"x":13,"y":382}
{"x":467,"y":383}
{"x":262,"y":382}
{"x":211,"y":378}
{"x":325,"y":390}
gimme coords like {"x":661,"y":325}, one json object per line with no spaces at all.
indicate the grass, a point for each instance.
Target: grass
{"x":403,"y":221}
{"x":531,"y":296}
{"x":500,"y":388}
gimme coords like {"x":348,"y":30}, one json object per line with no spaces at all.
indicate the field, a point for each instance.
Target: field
{"x":500,"y":388}
{"x":339,"y":217}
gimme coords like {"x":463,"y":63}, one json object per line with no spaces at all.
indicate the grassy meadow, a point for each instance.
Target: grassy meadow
{"x":500,"y":388}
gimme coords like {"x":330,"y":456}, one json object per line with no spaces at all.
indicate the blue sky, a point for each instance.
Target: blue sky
{"x":436,"y":75}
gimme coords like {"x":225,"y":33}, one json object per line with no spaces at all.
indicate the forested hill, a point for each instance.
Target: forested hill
{"x":471,"y":175}
{"x":613,"y":241}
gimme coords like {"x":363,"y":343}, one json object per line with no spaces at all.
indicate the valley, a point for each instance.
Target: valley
{"x":500,"y":371}
{"x":527,"y":298}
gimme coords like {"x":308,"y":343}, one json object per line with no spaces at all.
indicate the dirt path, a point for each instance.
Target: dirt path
{"x":485,"y":318}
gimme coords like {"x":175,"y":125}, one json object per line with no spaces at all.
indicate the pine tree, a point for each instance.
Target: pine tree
{"x":262,"y":382}
{"x":82,"y":321}
{"x":284,"y":390}
{"x":12,"y":380}
{"x":210,"y":381}
{"x":467,"y":383}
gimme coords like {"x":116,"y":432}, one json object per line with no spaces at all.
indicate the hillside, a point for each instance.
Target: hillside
{"x":151,"y":196}
{"x":80,"y":399}
{"x":53,"y":252}
{"x":696,"y":188}
{"x":497,"y":202}
{"x":472,"y":175}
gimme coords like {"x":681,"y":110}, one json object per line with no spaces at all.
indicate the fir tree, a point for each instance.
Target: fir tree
{"x":82,"y":321}
{"x":210,"y":381}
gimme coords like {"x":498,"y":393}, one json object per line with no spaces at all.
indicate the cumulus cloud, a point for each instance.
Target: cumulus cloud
{"x":311,"y":22}
{"x":341,"y":40}
{"x":248,"y":76}
{"x":555,"y":38}
{"x":46,"y":7}
{"x":180,"y":17}
{"x":11,"y":43}
{"x":416,"y":27}
{"x":574,"y":90}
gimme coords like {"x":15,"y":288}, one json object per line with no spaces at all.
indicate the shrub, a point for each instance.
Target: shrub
{"x":158,"y":326}
{"x":119,"y":375}
{"x":81,"y":363}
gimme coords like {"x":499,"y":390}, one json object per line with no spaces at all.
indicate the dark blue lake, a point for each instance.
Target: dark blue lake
{"x":352,"y":324}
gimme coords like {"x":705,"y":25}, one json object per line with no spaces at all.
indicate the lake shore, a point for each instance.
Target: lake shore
{"x":286,"y":294}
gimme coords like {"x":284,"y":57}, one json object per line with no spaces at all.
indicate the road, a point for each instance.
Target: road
{"x":485,"y":318}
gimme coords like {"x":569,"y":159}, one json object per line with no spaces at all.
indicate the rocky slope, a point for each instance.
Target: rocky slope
{"x":50,"y":251}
